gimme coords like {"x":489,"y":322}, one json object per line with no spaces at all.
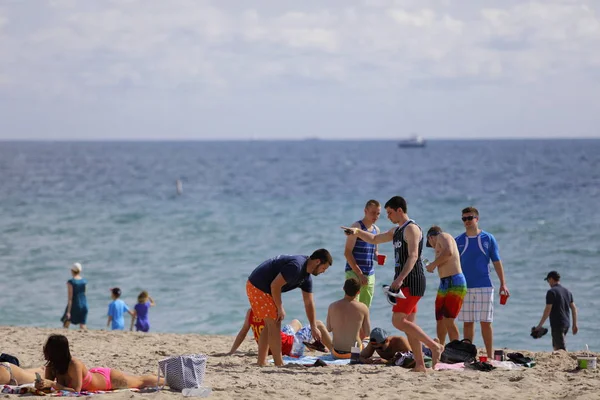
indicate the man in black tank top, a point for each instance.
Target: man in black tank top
{"x":409,"y":277}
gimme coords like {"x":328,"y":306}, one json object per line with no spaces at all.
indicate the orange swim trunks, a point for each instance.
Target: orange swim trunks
{"x":262,"y":303}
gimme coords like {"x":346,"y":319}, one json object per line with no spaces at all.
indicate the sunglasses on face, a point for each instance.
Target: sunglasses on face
{"x":469,"y":218}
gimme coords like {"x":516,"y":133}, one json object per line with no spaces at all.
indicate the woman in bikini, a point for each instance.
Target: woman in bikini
{"x":10,"y":374}
{"x":64,"y":372}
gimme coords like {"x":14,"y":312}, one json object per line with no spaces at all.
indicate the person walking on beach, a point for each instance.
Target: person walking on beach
{"x":116,"y":309}
{"x":77,"y":308}
{"x":559,"y":304}
{"x":140,"y":312}
{"x":264,"y":287}
{"x":409,"y":277}
{"x":453,"y":285}
{"x":360,"y":254}
{"x":476,"y":248}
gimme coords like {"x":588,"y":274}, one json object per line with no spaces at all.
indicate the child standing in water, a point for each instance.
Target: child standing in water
{"x":140,"y":313}
{"x":116,"y":310}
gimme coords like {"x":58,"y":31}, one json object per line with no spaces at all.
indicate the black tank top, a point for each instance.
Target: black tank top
{"x":415,"y":280}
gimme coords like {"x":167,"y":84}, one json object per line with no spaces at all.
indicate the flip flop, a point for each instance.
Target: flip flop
{"x":519,"y":358}
{"x":480,"y":366}
{"x":538,"y":333}
{"x":316,"y":346}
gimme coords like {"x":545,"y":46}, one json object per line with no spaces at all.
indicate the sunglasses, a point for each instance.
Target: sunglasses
{"x":469,"y":218}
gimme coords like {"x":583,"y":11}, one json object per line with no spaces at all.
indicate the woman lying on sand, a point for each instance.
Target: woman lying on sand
{"x":10,"y":374}
{"x":64,"y":372}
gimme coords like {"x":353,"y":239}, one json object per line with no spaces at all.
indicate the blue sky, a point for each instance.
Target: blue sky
{"x":280,"y":69}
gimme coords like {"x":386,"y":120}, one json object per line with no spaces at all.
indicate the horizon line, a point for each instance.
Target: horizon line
{"x":307,"y":139}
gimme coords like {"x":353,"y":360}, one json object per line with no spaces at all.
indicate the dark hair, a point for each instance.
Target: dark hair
{"x":351,"y":287}
{"x":397,"y":202}
{"x":322,"y":255}
{"x":470,"y":210}
{"x":116,"y":292}
{"x":57,"y":354}
{"x":372,"y":203}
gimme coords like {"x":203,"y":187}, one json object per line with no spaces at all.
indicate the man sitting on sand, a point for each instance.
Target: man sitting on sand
{"x":293,"y":335}
{"x":386,"y":347}
{"x":348,"y":320}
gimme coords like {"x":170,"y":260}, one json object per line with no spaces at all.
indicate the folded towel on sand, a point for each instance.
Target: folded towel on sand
{"x":310,"y":360}
{"x":29,"y":389}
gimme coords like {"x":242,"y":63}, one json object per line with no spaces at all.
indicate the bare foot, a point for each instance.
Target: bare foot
{"x":436,"y":353}
{"x":419,"y":369}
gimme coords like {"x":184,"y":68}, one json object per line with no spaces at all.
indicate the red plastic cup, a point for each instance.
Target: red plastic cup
{"x":503,"y":298}
{"x":482,"y":358}
{"x":381,"y":259}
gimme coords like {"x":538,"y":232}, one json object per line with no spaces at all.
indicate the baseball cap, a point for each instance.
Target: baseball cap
{"x":378,"y":335}
{"x":76,"y":267}
{"x":433,"y":231}
{"x":554,"y":275}
{"x":116,"y":291}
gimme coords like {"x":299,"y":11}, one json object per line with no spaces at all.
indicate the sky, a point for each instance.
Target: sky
{"x":282,"y":69}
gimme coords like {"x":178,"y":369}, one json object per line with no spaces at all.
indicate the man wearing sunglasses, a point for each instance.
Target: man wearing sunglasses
{"x":476,"y":248}
{"x":384,"y":345}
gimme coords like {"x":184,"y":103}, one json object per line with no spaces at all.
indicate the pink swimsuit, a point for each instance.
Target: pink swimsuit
{"x":87,"y":379}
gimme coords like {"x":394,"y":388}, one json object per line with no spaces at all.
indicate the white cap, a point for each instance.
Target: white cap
{"x":76,"y":267}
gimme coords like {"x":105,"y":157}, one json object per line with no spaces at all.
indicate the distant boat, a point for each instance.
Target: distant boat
{"x":414,"y":141}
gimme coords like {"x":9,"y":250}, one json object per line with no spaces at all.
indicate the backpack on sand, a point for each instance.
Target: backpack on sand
{"x":459,"y":351}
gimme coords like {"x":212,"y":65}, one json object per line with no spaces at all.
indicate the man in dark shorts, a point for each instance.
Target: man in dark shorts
{"x":409,"y":277}
{"x":264,"y":287}
{"x":559,"y":304}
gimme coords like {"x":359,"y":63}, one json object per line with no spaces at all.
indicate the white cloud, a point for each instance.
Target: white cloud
{"x":67,"y":49}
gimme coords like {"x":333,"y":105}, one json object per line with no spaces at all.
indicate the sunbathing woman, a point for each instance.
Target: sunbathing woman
{"x":64,"y":372}
{"x":10,"y":374}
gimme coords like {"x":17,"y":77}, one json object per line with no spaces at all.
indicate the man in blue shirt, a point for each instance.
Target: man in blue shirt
{"x":477,"y":248}
{"x":116,"y":309}
{"x":264,"y":287}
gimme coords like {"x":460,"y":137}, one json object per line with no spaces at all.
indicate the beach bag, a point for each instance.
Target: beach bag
{"x":183,"y":372}
{"x":459,"y":351}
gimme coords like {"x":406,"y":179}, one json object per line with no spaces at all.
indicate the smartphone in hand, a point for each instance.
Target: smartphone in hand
{"x":38,"y":378}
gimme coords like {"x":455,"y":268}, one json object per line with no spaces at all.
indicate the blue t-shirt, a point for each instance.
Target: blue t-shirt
{"x":116,"y":310}
{"x":475,"y":255}
{"x":292,"y":268}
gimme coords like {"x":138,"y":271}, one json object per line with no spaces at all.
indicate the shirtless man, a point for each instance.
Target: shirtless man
{"x":348,"y":320}
{"x":385,"y":346}
{"x":453,"y":285}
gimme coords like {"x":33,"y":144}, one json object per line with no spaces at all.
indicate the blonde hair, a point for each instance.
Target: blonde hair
{"x":143,"y":297}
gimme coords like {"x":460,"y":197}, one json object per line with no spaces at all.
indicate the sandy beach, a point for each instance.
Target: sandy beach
{"x":237,"y":376}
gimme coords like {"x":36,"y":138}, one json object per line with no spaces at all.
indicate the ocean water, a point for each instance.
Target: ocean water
{"x":113,"y":207}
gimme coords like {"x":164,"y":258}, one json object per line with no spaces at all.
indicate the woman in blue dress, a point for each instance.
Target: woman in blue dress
{"x":77,"y":309}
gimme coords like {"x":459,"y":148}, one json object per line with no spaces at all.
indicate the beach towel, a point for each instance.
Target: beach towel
{"x":29,"y":389}
{"x":310,"y":360}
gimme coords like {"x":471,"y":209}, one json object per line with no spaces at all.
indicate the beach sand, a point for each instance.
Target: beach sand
{"x":236,"y":377}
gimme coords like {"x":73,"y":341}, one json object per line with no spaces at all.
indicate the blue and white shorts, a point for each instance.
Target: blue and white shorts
{"x":478,"y":305}
{"x":303,"y":335}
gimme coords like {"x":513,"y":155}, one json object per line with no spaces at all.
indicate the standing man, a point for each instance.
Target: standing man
{"x":477,"y":248}
{"x":559,"y":300}
{"x":360,"y":254}
{"x":453,"y":286}
{"x":409,"y":277}
{"x":264,"y":287}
